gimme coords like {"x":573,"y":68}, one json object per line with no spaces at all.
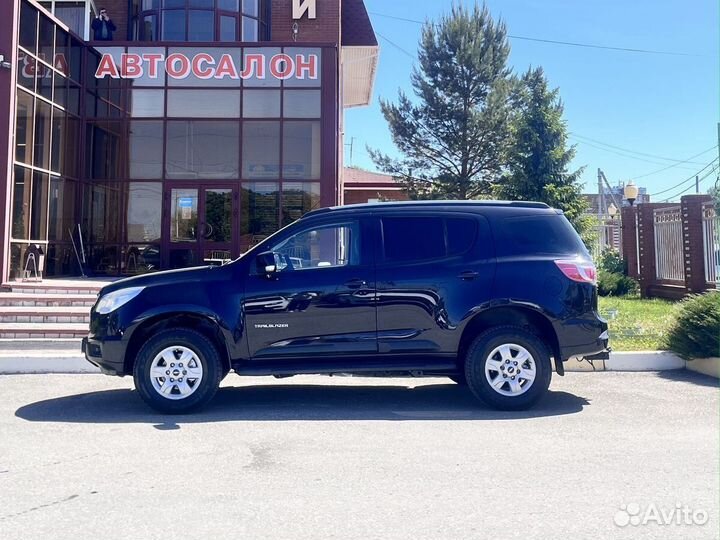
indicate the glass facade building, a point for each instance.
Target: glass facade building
{"x":184,"y":142}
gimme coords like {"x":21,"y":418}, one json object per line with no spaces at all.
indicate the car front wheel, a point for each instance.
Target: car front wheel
{"x":508,"y":368}
{"x":177,"y":371}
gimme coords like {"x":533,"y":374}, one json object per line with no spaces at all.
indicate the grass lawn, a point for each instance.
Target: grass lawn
{"x":635,"y":324}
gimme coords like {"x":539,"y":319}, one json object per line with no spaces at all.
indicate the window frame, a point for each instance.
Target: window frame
{"x":216,"y":10}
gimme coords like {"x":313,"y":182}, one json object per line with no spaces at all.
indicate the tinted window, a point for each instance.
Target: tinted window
{"x":201,"y":25}
{"x":413,"y":238}
{"x":202,"y":149}
{"x":146,"y":145}
{"x":461,"y":233}
{"x":551,"y":234}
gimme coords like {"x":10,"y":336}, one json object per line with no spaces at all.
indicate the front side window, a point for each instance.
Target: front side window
{"x":321,"y":247}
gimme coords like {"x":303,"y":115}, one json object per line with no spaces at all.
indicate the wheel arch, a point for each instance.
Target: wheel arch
{"x":512,"y":315}
{"x":176,"y":319}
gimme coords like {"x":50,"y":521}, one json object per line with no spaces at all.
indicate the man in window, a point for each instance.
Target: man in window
{"x":103,"y":27}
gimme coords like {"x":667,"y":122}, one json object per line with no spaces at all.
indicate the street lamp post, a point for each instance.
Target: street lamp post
{"x":631,"y":192}
{"x":612,"y":210}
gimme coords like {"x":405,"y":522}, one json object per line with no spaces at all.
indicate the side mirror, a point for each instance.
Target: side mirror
{"x":267,"y":263}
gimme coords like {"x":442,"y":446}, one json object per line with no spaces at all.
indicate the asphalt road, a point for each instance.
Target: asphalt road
{"x":317,"y":457}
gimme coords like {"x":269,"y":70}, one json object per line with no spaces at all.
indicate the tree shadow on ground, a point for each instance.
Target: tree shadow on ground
{"x":685,"y":375}
{"x":297,"y":402}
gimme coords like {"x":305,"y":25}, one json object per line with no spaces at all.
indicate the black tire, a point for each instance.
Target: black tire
{"x":478,"y":354}
{"x":204,"y":351}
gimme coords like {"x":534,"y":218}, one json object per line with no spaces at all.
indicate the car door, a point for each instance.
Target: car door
{"x":321,"y":301}
{"x":432,"y":270}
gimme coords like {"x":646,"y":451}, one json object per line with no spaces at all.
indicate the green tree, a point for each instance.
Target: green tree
{"x":539,"y":156}
{"x":715,"y":192}
{"x":453,"y":136}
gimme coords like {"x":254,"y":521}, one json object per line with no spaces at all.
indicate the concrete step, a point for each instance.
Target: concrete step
{"x":42,"y":330}
{"x":45,"y":299}
{"x":44,"y":314}
{"x":67,"y":345}
{"x":50,"y":288}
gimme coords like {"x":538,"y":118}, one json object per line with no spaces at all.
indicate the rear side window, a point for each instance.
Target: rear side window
{"x":461,"y":234}
{"x":546,"y":234}
{"x":408,"y":239}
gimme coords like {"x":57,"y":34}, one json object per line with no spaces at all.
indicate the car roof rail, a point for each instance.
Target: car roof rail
{"x":429,"y":204}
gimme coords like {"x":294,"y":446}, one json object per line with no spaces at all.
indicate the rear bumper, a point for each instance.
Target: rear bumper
{"x":104,"y":355}
{"x":585,"y":338}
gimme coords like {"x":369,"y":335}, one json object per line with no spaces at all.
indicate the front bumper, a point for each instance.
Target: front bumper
{"x":104,"y":354}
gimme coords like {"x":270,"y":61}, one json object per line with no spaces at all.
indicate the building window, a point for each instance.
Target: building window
{"x":62,"y":208}
{"x":199,"y":149}
{"x":24,"y":127}
{"x":201,"y":20}
{"x":301,"y":150}
{"x":261,"y":104}
{"x":144,"y":208}
{"x":146,"y":149}
{"x":261,"y":150}
{"x":76,"y":14}
{"x":203,"y":103}
{"x":259,"y":216}
{"x":299,"y":198}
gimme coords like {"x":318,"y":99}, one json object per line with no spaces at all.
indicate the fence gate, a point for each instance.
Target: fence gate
{"x":711,"y":243}
{"x":608,"y":235}
{"x":669,"y":252}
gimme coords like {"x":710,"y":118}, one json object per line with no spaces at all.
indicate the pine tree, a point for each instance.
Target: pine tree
{"x":539,"y":157}
{"x":453,"y":137}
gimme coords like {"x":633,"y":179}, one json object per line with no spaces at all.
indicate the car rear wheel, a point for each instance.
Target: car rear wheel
{"x":508,"y":368}
{"x":177,"y":371}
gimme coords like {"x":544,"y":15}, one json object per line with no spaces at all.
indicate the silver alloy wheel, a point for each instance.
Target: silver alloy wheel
{"x":176,"y":372}
{"x":510,"y":369}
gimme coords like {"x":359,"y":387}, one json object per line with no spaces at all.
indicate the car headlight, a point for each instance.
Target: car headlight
{"x":112,"y":301}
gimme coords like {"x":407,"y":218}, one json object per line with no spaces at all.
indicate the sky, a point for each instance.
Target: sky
{"x":656,"y":111}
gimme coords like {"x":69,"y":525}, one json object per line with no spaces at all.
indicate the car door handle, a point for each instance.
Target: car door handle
{"x":356,"y":284}
{"x":468,"y":275}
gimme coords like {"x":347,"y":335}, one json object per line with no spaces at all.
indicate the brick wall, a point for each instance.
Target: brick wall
{"x":629,"y":240}
{"x":693,"y":241}
{"x":325,"y":28}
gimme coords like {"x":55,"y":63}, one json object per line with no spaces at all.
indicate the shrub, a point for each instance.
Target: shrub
{"x":696,"y":331}
{"x":610,"y":261}
{"x":616,"y":284}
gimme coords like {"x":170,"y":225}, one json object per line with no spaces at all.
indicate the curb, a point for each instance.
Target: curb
{"x":706,"y":366}
{"x":631,"y":361}
{"x":27,"y":358}
{"x":44,"y":361}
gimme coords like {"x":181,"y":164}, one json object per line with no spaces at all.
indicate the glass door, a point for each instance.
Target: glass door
{"x":202,"y":226}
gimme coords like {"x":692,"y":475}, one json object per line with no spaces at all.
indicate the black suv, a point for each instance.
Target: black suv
{"x":490,"y":294}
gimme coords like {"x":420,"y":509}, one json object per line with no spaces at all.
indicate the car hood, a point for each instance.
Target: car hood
{"x":166,"y":277}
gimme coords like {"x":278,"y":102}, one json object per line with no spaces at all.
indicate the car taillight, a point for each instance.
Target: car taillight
{"x":581,"y":271}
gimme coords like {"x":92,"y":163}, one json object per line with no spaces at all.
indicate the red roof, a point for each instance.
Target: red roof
{"x":355,"y":176}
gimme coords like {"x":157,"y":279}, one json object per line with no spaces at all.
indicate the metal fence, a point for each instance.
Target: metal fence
{"x":608,"y":234}
{"x":711,"y":243}
{"x":669,"y":257}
